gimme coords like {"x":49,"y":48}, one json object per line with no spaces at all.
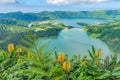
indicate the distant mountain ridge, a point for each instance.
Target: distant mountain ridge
{"x":46,"y":15}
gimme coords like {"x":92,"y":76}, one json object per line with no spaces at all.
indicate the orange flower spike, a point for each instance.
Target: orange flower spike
{"x":66,"y":66}
{"x":10,"y":47}
{"x":100,"y":53}
{"x":61,"y":57}
{"x":96,"y":54}
{"x":19,"y":50}
{"x":84,"y":63}
{"x":28,"y":54}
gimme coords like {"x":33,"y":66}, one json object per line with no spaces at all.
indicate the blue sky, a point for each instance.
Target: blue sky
{"x":56,"y":5}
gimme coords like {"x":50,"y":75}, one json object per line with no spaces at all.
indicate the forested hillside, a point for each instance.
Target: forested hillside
{"x":12,"y":30}
{"x":108,"y":32}
{"x":10,"y":22}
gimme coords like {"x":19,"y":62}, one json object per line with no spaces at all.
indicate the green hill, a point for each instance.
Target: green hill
{"x":14,"y":32}
{"x":108,"y":32}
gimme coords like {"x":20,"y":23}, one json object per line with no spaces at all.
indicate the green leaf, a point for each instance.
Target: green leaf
{"x":43,"y":46}
{"x":3,"y":55}
{"x":91,"y":55}
{"x":53,"y":70}
{"x":58,"y":78}
{"x":28,"y":44}
{"x":48,"y":53}
{"x":93,"y":49}
{"x":117,"y":73}
{"x":116,"y":69}
{"x":104,"y":75}
{"x":34,"y":61}
{"x":36,"y":71}
{"x":56,"y":54}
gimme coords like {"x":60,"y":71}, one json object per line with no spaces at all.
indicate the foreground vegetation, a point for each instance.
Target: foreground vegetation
{"x":108,"y":32}
{"x":35,"y":63}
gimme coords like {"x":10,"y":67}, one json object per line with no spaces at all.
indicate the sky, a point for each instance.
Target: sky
{"x":57,"y":5}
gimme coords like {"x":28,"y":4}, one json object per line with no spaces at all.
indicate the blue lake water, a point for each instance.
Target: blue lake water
{"x":72,"y":22}
{"x":76,"y":41}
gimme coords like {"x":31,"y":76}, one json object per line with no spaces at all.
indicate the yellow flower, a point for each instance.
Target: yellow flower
{"x":66,"y":66}
{"x":96,"y":63}
{"x":84,"y":63}
{"x":10,"y":47}
{"x":19,"y":50}
{"x":28,"y":54}
{"x":61,"y":57}
{"x":98,"y":54}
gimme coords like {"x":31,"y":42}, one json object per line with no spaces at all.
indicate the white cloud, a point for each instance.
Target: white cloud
{"x":7,"y":1}
{"x":66,"y":2}
{"x":87,"y":1}
{"x":57,"y":2}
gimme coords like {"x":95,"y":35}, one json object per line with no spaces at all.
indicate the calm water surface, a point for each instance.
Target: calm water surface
{"x":76,"y":41}
{"x":72,"y":22}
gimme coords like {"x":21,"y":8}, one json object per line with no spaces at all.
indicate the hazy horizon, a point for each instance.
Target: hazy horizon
{"x":56,"y":10}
